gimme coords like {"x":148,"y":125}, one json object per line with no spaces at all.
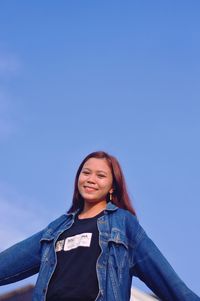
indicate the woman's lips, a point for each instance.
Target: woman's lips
{"x":90,"y":189}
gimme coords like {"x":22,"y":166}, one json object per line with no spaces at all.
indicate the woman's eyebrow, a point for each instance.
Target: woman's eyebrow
{"x":102,"y":171}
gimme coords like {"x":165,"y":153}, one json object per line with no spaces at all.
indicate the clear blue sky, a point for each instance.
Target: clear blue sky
{"x":119,"y":76}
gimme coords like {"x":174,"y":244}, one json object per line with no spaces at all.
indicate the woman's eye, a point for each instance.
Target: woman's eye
{"x":101,"y":176}
{"x":85,"y":172}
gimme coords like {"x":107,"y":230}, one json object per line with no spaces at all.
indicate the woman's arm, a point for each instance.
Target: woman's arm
{"x":21,"y":260}
{"x":155,"y":271}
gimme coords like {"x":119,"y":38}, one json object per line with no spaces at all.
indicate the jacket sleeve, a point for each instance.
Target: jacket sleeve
{"x":21,"y":260}
{"x":155,"y":271}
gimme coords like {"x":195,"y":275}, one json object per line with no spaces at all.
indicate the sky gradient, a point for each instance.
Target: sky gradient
{"x":124,"y":77}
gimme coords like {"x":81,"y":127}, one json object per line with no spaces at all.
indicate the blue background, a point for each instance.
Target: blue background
{"x":120,"y":76}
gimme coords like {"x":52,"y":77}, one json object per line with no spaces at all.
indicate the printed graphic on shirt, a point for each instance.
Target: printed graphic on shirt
{"x":73,"y":242}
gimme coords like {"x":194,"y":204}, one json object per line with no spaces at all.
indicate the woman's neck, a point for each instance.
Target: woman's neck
{"x":92,"y":209}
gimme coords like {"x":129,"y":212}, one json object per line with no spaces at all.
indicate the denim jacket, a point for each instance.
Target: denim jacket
{"x":126,"y":251}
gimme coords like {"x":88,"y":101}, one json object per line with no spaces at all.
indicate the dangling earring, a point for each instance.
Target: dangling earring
{"x":110,"y":195}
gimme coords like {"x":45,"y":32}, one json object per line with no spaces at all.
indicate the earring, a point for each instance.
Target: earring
{"x":110,"y":196}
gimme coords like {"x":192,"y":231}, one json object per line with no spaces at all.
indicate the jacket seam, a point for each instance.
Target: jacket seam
{"x":20,"y":273}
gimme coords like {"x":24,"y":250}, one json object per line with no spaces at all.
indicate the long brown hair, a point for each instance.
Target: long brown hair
{"x":120,"y":195}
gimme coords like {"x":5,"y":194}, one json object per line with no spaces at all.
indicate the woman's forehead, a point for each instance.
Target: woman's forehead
{"x":97,"y":164}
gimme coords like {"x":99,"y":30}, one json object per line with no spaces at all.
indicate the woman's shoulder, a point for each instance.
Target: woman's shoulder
{"x":128,"y":223}
{"x":125,"y":215}
{"x":56,"y":224}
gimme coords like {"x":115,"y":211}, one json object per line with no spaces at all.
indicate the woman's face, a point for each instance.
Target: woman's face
{"x":95,"y":180}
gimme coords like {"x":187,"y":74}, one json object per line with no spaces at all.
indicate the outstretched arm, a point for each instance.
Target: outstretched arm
{"x":21,"y":260}
{"x":155,"y":271}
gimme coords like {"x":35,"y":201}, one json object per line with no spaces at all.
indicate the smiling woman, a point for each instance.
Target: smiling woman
{"x":94,"y":184}
{"x":92,"y":252}
{"x":106,"y":171}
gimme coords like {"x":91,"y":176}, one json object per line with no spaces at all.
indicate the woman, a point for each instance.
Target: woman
{"x":92,"y":252}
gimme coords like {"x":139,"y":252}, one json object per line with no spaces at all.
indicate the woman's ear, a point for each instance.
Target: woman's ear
{"x":111,"y":190}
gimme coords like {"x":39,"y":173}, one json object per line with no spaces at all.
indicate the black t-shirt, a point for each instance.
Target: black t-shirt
{"x":77,"y":249}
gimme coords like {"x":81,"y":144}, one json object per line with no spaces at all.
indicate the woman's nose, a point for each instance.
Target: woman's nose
{"x":91,"y":179}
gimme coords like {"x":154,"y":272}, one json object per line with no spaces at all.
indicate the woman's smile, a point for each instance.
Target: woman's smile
{"x":90,"y":189}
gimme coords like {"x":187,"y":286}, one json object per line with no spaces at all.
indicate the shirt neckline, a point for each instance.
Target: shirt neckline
{"x":90,"y":218}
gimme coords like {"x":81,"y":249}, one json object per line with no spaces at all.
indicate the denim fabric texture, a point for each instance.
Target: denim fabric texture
{"x":126,"y":251}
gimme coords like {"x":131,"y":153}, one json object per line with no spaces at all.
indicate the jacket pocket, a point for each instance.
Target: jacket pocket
{"x":47,"y":242}
{"x":118,"y":249}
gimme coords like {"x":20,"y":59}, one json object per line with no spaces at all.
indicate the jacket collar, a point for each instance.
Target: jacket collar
{"x":109,"y":207}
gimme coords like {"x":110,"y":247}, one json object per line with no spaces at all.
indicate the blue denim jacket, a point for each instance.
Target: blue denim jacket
{"x":126,"y":251}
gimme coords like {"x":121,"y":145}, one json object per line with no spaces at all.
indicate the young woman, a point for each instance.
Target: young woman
{"x":92,"y":252}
